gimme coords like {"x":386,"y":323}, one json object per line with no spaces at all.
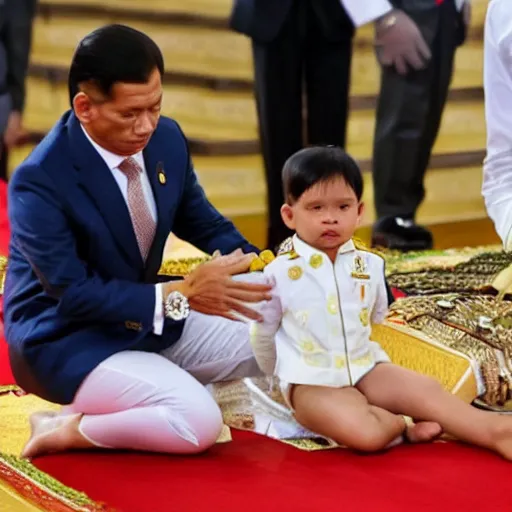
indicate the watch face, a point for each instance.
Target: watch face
{"x":176,"y":306}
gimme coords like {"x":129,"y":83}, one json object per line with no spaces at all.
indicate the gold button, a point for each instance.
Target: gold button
{"x":332,"y":305}
{"x":307,"y":346}
{"x":294,"y":273}
{"x":316,"y":260}
{"x":364,"y":317}
{"x":339,"y":362}
{"x":133,"y":326}
{"x":161,"y":178}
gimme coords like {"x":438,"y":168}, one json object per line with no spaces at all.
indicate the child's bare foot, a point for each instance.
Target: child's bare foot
{"x":51,"y":433}
{"x":423,"y":432}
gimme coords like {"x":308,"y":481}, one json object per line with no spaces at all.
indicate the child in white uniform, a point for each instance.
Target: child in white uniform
{"x":315,"y":335}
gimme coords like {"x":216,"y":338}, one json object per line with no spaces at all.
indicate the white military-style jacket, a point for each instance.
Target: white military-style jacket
{"x":316,"y":329}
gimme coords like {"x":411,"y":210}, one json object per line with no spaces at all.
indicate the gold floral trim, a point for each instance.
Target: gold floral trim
{"x":10,"y":388}
{"x":44,"y":491}
{"x":3,"y":268}
{"x":182,"y":267}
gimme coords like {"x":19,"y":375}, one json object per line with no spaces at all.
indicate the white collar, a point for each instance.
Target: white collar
{"x":112,"y":160}
{"x":306,"y":251}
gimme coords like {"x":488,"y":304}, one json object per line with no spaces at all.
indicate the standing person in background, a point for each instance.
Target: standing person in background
{"x":304,"y":47}
{"x":409,"y":112}
{"x":16,"y":19}
{"x":497,"y":182}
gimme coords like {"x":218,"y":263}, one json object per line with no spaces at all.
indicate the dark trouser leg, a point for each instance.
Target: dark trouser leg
{"x":408,"y":116}
{"x":328,"y":83}
{"x":278,"y":81}
{"x":4,"y":162}
{"x":444,"y":49}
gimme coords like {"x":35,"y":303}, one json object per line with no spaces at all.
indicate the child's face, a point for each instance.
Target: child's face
{"x":326,"y":215}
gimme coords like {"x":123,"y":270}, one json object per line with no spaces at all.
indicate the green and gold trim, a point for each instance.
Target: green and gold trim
{"x":26,"y":488}
{"x":10,"y":388}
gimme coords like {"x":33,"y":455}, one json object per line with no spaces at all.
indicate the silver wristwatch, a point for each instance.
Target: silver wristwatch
{"x":176,"y":306}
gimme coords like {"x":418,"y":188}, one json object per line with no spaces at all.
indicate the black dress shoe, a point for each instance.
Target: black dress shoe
{"x":401,"y":234}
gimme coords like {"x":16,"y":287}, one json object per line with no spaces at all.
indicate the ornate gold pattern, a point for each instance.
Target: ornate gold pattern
{"x":475,"y":325}
{"x":364,"y":317}
{"x":340,"y":362}
{"x":359,"y":269}
{"x":317,"y":359}
{"x":307,"y":346}
{"x":365,"y":360}
{"x":332,"y":305}
{"x":42,"y":490}
{"x":474,"y":275}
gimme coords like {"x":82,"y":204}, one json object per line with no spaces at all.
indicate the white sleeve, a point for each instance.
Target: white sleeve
{"x":380,"y":308}
{"x":262,"y":334}
{"x":365,"y":11}
{"x":158,"y":319}
{"x":497,"y":178}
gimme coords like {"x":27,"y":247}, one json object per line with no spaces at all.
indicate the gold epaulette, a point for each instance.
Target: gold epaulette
{"x":361,"y":246}
{"x":260,"y":262}
{"x":287,"y":249}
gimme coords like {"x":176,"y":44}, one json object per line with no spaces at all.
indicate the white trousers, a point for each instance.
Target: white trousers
{"x":158,"y":402}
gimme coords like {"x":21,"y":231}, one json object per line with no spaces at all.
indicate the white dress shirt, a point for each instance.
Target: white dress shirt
{"x":317,"y":328}
{"x":113,"y":162}
{"x":365,"y":11}
{"x":497,"y":179}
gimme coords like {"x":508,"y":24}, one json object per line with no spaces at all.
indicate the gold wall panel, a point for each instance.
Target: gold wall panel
{"x":231,"y":116}
{"x":219,"y":53}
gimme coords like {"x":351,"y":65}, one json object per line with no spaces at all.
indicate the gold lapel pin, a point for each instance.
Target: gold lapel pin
{"x":161,"y":173}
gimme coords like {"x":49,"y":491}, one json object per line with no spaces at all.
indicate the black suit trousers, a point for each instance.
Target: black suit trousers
{"x":409,"y":114}
{"x":302,"y":84}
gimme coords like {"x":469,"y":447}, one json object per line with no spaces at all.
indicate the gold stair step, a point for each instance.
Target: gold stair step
{"x":228,"y":116}
{"x":221,"y":54}
{"x":213,"y":8}
{"x":236,"y":186}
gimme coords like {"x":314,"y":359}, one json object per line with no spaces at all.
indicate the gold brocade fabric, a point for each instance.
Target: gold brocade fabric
{"x":473,"y":275}
{"x":475,"y":325}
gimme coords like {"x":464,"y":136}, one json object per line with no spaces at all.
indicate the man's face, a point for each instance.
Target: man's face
{"x":123,"y":123}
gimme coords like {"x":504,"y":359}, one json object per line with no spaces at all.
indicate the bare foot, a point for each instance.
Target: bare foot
{"x":423,"y":431}
{"x":52,"y":433}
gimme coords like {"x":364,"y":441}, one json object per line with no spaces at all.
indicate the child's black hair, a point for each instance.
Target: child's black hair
{"x":318,"y":164}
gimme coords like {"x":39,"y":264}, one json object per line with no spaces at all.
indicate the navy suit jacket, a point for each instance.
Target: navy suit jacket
{"x":77,"y":290}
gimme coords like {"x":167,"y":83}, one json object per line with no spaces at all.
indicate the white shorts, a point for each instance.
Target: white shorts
{"x":287,"y":387}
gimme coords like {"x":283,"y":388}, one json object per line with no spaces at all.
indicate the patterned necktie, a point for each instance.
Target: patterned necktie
{"x":143,"y":223}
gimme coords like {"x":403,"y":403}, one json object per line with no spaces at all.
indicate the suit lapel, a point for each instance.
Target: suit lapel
{"x":99,"y":183}
{"x":164,"y":200}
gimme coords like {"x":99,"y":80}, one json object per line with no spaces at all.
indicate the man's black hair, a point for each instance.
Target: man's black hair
{"x":318,"y":164}
{"x":111,"y":54}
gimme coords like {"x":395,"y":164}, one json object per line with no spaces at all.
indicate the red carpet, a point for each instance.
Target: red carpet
{"x":257,"y":474}
{"x":253,"y":473}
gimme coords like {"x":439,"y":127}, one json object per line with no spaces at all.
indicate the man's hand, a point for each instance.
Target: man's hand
{"x":211,"y":290}
{"x":14,"y":129}
{"x":399,"y":42}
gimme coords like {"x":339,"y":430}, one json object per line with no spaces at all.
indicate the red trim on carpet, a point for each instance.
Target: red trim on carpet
{"x":255,"y":474}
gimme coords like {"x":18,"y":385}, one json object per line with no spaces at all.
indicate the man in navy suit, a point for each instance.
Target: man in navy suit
{"x":87,"y":321}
